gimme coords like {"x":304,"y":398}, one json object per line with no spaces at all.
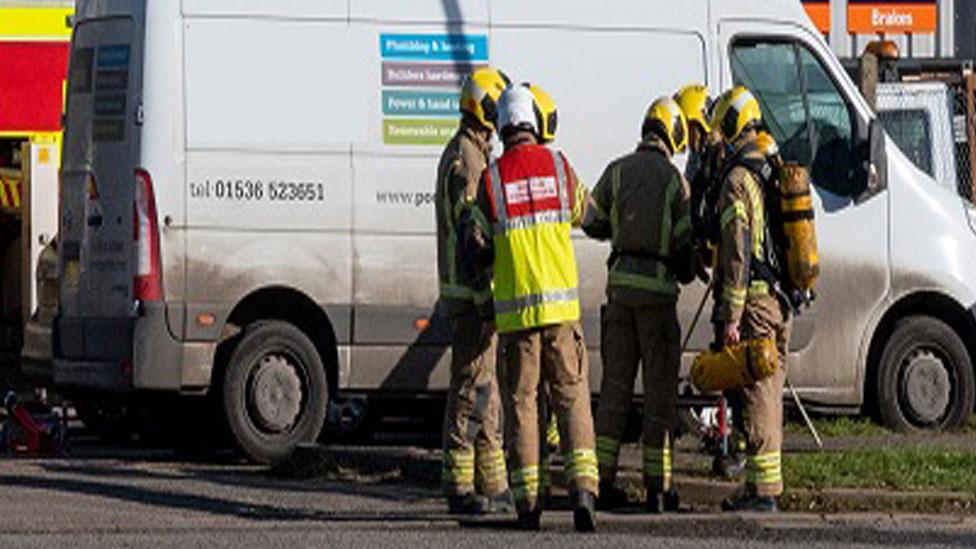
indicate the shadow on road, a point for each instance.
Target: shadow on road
{"x":210,"y":504}
{"x":244,"y":477}
{"x":109,"y":483}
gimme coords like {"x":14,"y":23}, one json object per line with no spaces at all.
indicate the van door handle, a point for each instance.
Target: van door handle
{"x":95,"y":220}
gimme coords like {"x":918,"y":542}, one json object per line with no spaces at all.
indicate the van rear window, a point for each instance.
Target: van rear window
{"x":910,"y":130}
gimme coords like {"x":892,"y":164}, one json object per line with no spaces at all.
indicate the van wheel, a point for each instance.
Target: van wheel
{"x":274,"y":391}
{"x":925,"y":377}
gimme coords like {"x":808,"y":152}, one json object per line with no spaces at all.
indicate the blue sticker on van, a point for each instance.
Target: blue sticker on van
{"x":114,"y":56}
{"x":434,"y":47}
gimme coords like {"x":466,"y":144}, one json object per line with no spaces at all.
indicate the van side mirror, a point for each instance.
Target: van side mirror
{"x":875,"y":162}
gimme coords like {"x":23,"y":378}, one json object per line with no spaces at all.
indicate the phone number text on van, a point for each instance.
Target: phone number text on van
{"x":255,"y":190}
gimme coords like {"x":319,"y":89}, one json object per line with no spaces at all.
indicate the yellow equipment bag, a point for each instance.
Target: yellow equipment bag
{"x":735,"y":366}
{"x":802,"y":262}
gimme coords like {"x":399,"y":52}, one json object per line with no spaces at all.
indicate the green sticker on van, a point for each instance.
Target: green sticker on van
{"x":418,"y":131}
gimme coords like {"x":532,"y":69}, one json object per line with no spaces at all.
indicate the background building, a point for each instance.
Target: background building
{"x":921,"y":28}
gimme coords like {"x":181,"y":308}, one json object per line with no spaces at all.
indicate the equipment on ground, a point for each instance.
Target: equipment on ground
{"x":803,"y":412}
{"x":26,"y":434}
{"x":480,"y":93}
{"x":734,"y":366}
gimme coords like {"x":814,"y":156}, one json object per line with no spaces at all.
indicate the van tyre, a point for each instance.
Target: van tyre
{"x":925,"y":377}
{"x":274,"y":391}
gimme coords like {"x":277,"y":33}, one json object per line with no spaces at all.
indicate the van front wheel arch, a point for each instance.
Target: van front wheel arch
{"x":275,"y":391}
{"x":925,"y":377}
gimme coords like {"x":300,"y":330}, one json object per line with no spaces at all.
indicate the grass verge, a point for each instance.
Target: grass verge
{"x":842,"y":426}
{"x":910,"y":468}
{"x":857,"y":426}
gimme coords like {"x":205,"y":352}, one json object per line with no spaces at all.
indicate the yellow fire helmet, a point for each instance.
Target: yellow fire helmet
{"x":695,"y":102}
{"x":736,"y":110}
{"x":666,"y":119}
{"x":480,"y":93}
{"x":545,"y":112}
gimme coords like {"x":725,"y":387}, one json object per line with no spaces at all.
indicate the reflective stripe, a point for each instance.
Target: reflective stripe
{"x":597,"y":212}
{"x":562,"y":184}
{"x":765,"y":468}
{"x":481,"y":220}
{"x":534,"y":300}
{"x":607,"y":452}
{"x":657,"y":462}
{"x":579,"y":203}
{"x":581,"y":464}
{"x":734,"y":210}
{"x":682,"y":226}
{"x":524,"y":482}
{"x":642,"y":282}
{"x":458,"y":468}
{"x":740,"y":101}
{"x":674,"y":187}
{"x":736,"y":297}
{"x":451,"y":212}
{"x":758,"y":288}
{"x":491,"y":467}
{"x":552,"y":432}
{"x":505,"y":223}
{"x":758,"y":222}
{"x":458,"y":291}
{"x":528,"y":221}
{"x":615,"y":188}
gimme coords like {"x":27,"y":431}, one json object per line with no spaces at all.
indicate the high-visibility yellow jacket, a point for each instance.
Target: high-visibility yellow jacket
{"x":528,"y":199}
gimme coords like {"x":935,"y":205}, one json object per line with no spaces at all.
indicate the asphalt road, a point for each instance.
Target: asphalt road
{"x":146,"y":498}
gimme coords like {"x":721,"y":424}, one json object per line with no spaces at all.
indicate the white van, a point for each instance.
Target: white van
{"x":247,"y":196}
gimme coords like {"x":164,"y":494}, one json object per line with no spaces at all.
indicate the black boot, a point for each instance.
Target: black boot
{"x":751,"y":502}
{"x":529,"y":521}
{"x":584,"y":511}
{"x":467,"y":504}
{"x":663,"y":502}
{"x":611,"y":497}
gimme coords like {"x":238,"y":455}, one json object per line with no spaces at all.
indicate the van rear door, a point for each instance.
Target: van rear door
{"x":101,"y":153}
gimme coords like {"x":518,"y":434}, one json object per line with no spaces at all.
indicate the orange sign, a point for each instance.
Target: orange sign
{"x":819,"y":13}
{"x":892,"y":17}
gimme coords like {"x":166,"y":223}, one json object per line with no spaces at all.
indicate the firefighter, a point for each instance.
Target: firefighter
{"x":519,"y":227}
{"x":471,"y":435}
{"x":641,"y":204}
{"x":747,"y":306}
